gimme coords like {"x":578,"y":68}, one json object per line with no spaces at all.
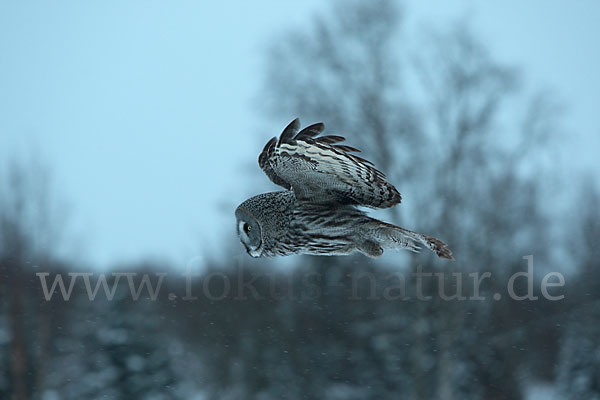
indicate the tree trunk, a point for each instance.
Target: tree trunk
{"x":19,"y":342}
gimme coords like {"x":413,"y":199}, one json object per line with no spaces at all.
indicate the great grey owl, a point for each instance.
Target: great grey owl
{"x":317,"y":213}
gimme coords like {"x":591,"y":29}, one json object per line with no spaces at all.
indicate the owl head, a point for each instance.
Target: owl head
{"x":249,"y":231}
{"x":262,"y":220}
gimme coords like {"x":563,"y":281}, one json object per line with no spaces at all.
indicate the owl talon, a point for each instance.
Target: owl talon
{"x":371,"y":249}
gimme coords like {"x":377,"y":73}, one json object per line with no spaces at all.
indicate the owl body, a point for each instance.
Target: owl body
{"x":317,"y":213}
{"x":292,"y":226}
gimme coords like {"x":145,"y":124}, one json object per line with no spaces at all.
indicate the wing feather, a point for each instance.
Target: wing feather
{"x":263,"y":160}
{"x":331,"y":139}
{"x":310,"y":131}
{"x":347,"y":149}
{"x":289,"y":132}
{"x":319,"y":170}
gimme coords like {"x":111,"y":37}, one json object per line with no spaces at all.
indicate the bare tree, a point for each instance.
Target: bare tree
{"x":28,"y":234}
{"x":578,"y":364}
{"x":346,"y":71}
{"x":446,"y":145}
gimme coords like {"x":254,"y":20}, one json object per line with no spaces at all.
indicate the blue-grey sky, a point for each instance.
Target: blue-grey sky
{"x":146,"y":110}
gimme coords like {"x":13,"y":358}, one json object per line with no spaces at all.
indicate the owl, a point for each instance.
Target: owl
{"x":317,"y":213}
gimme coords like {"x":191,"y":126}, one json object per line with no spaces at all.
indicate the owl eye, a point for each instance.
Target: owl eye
{"x":247,"y":228}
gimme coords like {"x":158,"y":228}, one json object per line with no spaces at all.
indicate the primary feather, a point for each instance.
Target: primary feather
{"x":320,"y":170}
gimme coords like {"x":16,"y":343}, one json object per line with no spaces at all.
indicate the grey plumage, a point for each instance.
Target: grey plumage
{"x":317,"y":213}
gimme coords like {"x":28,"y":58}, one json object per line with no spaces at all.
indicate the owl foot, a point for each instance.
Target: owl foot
{"x":371,"y":249}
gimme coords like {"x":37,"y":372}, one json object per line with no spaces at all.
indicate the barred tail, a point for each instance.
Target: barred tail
{"x":391,"y":236}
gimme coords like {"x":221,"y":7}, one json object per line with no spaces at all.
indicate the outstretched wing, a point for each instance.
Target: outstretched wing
{"x":320,"y":170}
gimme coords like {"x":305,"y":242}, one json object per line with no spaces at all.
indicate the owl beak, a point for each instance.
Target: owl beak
{"x":252,"y":253}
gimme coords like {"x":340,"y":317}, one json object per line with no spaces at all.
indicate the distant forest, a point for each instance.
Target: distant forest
{"x":470,"y":149}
